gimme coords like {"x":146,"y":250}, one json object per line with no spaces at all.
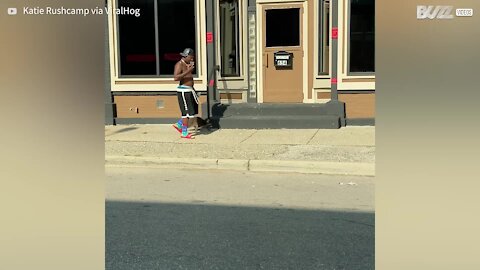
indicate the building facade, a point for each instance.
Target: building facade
{"x":273,"y":53}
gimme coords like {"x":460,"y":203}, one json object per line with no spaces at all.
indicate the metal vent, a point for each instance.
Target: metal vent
{"x":160,"y":104}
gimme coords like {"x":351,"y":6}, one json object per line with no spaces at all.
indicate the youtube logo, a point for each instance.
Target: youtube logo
{"x":12,"y":11}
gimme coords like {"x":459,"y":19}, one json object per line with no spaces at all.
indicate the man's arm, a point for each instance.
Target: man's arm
{"x":177,"y":73}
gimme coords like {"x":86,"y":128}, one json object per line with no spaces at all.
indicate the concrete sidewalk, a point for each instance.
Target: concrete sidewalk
{"x":345,"y":151}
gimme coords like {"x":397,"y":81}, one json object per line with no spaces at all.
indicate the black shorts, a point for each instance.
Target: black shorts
{"x":187,"y":103}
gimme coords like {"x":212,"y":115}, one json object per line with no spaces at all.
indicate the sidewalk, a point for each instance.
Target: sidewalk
{"x":345,"y":151}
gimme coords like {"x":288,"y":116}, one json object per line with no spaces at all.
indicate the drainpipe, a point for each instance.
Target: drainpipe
{"x":109,"y":105}
{"x":211,"y":58}
{"x":334,"y":14}
{"x":337,"y":107}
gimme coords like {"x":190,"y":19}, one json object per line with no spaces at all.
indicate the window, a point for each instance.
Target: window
{"x":150,"y":44}
{"x":283,"y":27}
{"x":229,"y":38}
{"x":324,"y":37}
{"x":137,"y":40}
{"x":176,"y":31}
{"x":362,"y":36}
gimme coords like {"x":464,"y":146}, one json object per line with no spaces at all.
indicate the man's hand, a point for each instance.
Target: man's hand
{"x":190,"y":67}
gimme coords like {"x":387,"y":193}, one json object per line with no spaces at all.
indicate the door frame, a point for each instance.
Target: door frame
{"x":261,"y":5}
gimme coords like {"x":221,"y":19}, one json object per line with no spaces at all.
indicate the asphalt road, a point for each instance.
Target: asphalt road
{"x":174,"y":219}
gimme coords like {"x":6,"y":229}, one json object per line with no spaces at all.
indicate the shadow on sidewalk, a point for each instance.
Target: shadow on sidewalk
{"x":205,"y":131}
{"x":144,"y":235}
{"x":122,"y":130}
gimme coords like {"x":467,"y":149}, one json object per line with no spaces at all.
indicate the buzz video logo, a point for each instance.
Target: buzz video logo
{"x":434,"y":12}
{"x":442,"y":12}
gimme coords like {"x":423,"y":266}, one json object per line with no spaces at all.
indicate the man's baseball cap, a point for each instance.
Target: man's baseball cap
{"x":187,"y":52}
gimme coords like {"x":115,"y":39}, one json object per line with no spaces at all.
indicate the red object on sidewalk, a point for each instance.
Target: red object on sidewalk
{"x":334,"y":80}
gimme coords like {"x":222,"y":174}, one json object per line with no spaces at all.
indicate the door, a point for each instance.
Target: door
{"x":282,"y":35}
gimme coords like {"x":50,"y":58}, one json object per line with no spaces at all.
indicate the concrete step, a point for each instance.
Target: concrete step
{"x":265,"y":109}
{"x":277,"y":122}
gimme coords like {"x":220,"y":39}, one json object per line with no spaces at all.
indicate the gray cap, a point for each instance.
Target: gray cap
{"x":187,"y":52}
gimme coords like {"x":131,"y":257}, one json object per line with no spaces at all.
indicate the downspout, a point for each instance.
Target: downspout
{"x":212,"y":93}
{"x":335,"y":106}
{"x":108,"y":97}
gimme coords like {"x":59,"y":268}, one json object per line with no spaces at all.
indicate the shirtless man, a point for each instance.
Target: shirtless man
{"x":187,"y":97}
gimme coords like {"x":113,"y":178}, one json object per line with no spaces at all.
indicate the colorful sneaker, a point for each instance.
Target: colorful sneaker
{"x":179,"y":129}
{"x":178,"y":125}
{"x":188,"y":136}
{"x":185,"y":134}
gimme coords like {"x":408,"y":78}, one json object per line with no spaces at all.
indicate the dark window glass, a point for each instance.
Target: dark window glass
{"x":362,"y":36}
{"x":176,"y":31}
{"x":137,"y":39}
{"x":283,"y":27}
{"x":229,"y":25}
{"x":141,"y":52}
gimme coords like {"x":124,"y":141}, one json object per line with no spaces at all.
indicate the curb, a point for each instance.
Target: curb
{"x":310,"y":167}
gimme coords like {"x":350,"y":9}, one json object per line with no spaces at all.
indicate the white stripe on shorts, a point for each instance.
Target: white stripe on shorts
{"x":184,"y":101}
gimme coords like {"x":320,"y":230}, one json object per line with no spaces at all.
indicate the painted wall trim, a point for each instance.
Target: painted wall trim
{"x":114,"y":46}
{"x":130,"y":121}
{"x":356,"y":91}
{"x":145,"y":93}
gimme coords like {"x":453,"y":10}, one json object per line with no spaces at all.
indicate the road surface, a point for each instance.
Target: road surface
{"x":185,"y":219}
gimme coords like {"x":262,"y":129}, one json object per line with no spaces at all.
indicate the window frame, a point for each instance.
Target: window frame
{"x":239,"y":39}
{"x":348,"y":21}
{"x":198,"y":59}
{"x":243,"y":44}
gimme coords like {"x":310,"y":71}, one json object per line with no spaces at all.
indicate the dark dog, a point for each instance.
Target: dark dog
{"x":197,"y":123}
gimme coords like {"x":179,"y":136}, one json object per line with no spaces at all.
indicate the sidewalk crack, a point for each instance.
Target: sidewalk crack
{"x":251,"y":135}
{"x":313,"y":136}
